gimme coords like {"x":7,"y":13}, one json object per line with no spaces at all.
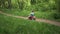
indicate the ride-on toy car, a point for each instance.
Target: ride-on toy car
{"x":31,"y":18}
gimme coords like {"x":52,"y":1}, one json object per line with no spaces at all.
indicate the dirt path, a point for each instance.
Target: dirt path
{"x":39,"y":20}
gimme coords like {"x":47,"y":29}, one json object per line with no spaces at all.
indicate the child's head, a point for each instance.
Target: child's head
{"x":32,"y":11}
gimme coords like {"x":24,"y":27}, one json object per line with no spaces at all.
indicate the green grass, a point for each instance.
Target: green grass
{"x":38,"y":14}
{"x":11,"y":25}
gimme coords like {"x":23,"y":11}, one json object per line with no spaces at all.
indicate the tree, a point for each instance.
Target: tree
{"x":58,"y":5}
{"x":33,"y":2}
{"x":9,"y":4}
{"x":57,"y":14}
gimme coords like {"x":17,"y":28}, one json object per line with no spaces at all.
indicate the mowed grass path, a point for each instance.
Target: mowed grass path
{"x":39,"y":14}
{"x":11,"y":25}
{"x":38,"y":20}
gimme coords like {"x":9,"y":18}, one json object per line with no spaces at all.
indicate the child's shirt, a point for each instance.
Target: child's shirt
{"x":32,"y":14}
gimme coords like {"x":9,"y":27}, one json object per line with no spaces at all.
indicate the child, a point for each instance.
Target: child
{"x":32,"y":17}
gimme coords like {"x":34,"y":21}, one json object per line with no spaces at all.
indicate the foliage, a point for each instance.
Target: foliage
{"x":29,"y":4}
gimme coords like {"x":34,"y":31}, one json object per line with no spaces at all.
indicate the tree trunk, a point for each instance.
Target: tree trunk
{"x":58,"y":5}
{"x":9,"y":4}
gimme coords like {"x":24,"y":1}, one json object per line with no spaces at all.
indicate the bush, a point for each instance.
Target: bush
{"x":56,"y":15}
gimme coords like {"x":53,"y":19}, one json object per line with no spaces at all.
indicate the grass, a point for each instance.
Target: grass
{"x":38,"y":14}
{"x":11,"y":25}
{"x":25,"y":13}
